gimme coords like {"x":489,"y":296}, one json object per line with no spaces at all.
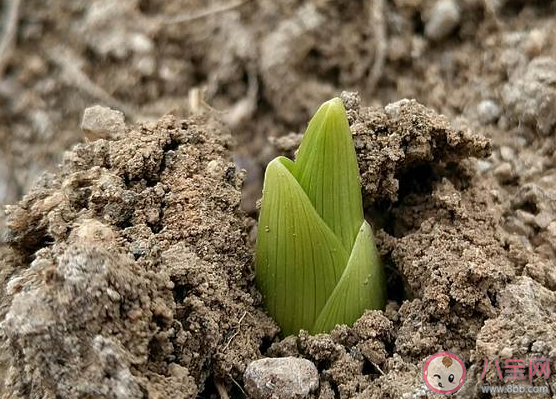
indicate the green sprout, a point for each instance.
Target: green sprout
{"x":316,"y":260}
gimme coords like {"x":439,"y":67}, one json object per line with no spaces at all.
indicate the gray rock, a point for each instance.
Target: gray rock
{"x":444,"y":17}
{"x":102,"y":123}
{"x":281,"y":378}
{"x":488,"y":112}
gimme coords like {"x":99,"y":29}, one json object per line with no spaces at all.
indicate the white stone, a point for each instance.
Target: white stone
{"x":283,"y":378}
{"x":488,"y":112}
{"x":444,"y":17}
{"x":394,"y":109}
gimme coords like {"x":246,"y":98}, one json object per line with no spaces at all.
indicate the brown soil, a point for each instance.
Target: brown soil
{"x":127,"y":271}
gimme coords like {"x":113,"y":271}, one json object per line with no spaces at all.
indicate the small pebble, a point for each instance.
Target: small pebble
{"x":393,"y":109}
{"x":507,"y":153}
{"x":503,"y":172}
{"x":543,"y":219}
{"x":213,"y":167}
{"x":483,"y":166}
{"x":506,"y":353}
{"x":146,"y":65}
{"x":141,"y":44}
{"x":488,"y":112}
{"x":445,"y":16}
{"x":535,"y":43}
{"x":102,"y":123}
{"x":282,"y":377}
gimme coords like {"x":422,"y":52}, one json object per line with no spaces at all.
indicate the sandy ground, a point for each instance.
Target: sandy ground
{"x":127,"y":271}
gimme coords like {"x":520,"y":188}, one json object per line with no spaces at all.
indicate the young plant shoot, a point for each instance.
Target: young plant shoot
{"x":316,"y":260}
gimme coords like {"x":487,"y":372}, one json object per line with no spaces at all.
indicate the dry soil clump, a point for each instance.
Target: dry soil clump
{"x":129,"y":270}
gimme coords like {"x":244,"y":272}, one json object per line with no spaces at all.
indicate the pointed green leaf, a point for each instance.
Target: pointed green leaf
{"x":326,"y":167}
{"x":362,"y":285}
{"x":316,"y":261}
{"x":299,"y":259}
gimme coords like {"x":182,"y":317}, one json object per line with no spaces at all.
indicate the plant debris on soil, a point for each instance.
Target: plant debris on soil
{"x":126,"y":269}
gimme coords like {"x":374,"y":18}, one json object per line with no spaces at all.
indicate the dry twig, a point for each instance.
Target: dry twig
{"x":236,"y":332}
{"x":378,"y":368}
{"x":239,"y":386}
{"x":8,"y":39}
{"x":204,"y":13}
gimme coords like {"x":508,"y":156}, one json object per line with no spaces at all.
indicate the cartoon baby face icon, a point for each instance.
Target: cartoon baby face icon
{"x":444,"y":373}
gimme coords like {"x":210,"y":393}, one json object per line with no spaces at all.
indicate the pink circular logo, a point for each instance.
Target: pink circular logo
{"x":444,"y":373}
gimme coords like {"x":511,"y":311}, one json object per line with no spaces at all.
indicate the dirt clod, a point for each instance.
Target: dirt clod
{"x":523,"y":329}
{"x":133,"y":259}
{"x":129,"y":278}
